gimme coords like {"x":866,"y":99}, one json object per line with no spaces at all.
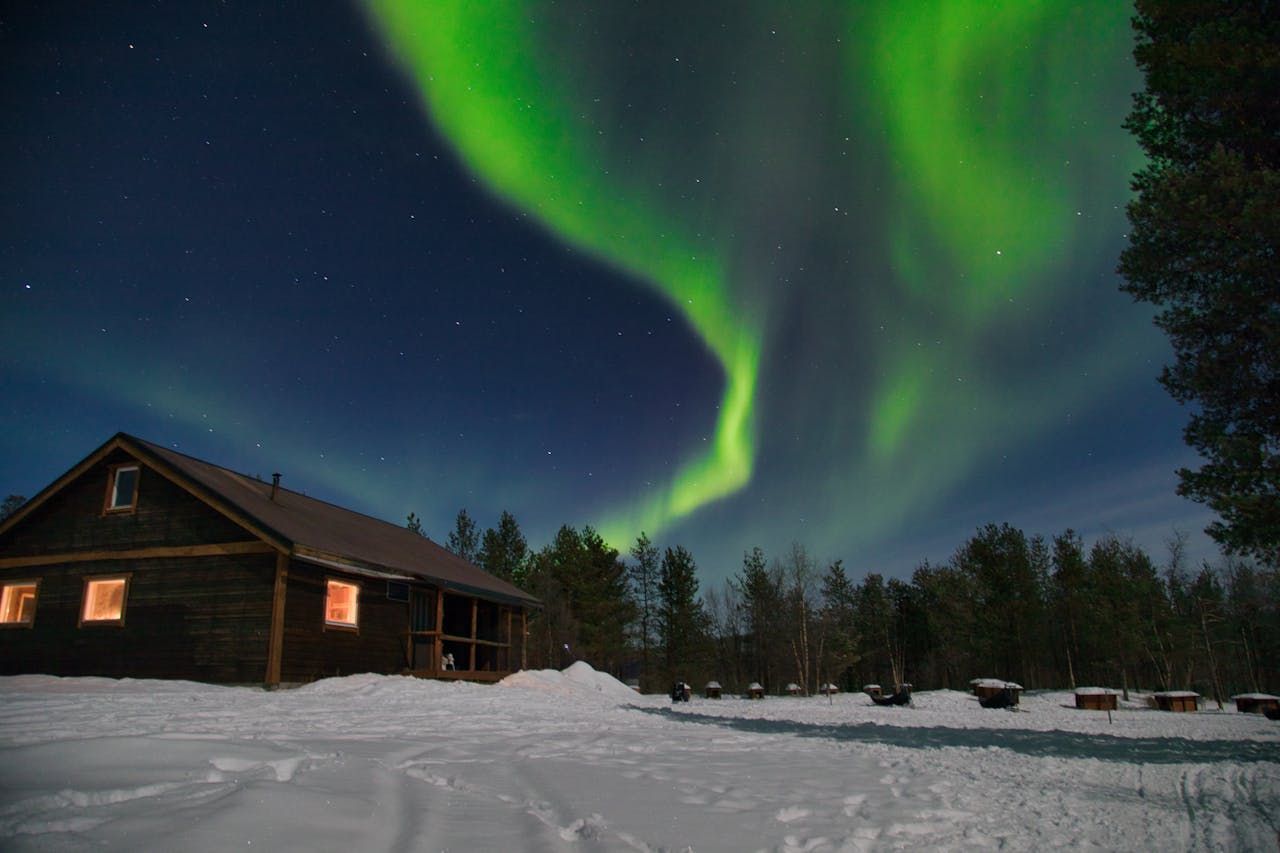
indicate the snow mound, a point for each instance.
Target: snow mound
{"x":575,"y":680}
{"x":383,"y":688}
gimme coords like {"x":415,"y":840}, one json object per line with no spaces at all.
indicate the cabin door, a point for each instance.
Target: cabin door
{"x":422,"y":623}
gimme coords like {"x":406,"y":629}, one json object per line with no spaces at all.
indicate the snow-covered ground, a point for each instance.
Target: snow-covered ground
{"x":576,"y":761}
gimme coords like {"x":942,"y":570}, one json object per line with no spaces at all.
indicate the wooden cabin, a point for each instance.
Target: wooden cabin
{"x":755,"y":690}
{"x":1177,"y":700}
{"x":143,"y":562}
{"x":1096,"y":699}
{"x":1256,"y":703}
{"x":713,"y":690}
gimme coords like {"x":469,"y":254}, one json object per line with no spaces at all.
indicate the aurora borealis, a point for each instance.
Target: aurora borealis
{"x":832,"y":273}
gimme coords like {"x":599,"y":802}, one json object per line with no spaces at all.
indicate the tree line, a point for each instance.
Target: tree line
{"x":1041,"y":612}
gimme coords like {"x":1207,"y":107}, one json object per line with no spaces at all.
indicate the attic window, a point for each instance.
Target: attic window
{"x":18,"y":603}
{"x":341,"y":601}
{"x":122,"y":491}
{"x":104,"y":601}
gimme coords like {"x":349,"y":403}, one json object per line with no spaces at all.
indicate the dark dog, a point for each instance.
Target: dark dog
{"x":1006,"y":698}
{"x":902,"y":697}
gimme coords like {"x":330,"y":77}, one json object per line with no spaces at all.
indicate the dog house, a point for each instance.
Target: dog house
{"x":985,"y":688}
{"x":712,"y":690}
{"x":755,"y":690}
{"x":1178,"y":700}
{"x":1256,"y":703}
{"x":793,"y":689}
{"x":1096,"y":699}
{"x":828,"y":689}
{"x":872,"y":690}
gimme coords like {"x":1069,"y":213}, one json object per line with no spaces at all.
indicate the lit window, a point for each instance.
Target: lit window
{"x":103,"y":600}
{"x":340,"y":602}
{"x":124,"y":488}
{"x":18,"y":603}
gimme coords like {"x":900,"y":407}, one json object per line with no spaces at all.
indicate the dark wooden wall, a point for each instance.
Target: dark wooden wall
{"x":313,"y":650}
{"x":72,"y":519}
{"x":199,"y":618}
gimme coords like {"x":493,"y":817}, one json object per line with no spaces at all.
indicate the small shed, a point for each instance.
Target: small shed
{"x":1178,"y":700}
{"x":872,"y":690}
{"x":828,"y":689}
{"x":1095,"y":698}
{"x":755,"y":690}
{"x":712,"y":690}
{"x":1256,"y":703}
{"x":793,"y":689}
{"x":985,"y":688}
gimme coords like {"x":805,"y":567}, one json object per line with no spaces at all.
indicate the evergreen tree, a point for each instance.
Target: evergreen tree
{"x":881,"y":651}
{"x":1007,"y":585}
{"x":839,"y":632}
{"x":1069,"y":603}
{"x":760,"y":592}
{"x":11,"y":505}
{"x":643,"y":574}
{"x":945,"y":595}
{"x":1123,"y":581}
{"x":1207,"y":595}
{"x":464,"y":540}
{"x":681,"y":620}
{"x":1204,"y":239}
{"x":504,"y":551}
{"x":415,"y":524}
{"x":1251,"y":620}
{"x":592,"y":612}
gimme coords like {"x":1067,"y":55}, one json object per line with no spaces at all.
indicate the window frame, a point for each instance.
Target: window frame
{"x":84,"y":600}
{"x":33,"y":582}
{"x":113,"y":474}
{"x":330,"y":625}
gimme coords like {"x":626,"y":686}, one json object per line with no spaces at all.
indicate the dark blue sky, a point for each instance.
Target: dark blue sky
{"x":234,"y":229}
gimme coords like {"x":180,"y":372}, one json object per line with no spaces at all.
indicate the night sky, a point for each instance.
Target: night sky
{"x":735,"y":274}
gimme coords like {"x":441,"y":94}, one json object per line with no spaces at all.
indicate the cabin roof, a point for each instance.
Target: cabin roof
{"x":310,"y":529}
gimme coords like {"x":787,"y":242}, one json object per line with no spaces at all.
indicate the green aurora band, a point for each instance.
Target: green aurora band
{"x":971,"y":109}
{"x":481,"y":80}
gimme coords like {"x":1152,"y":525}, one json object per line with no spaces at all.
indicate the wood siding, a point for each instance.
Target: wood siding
{"x":200,"y":618}
{"x":73,"y":519}
{"x":314,"y":650}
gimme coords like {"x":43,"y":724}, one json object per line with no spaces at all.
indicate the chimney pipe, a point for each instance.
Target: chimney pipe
{"x":275,"y":485}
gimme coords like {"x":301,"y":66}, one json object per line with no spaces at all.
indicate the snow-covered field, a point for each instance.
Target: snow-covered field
{"x":566,"y":761}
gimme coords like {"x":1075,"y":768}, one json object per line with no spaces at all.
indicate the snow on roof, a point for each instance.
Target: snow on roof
{"x":871,"y":687}
{"x":1257,"y":696}
{"x":713,"y":685}
{"x":1177,"y":694}
{"x":755,"y":685}
{"x":995,"y":682}
{"x":1094,"y":691}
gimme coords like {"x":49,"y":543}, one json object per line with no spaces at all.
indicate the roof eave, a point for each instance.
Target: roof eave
{"x":351,"y":564}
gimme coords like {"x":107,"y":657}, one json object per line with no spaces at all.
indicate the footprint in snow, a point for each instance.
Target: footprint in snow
{"x":584,"y":829}
{"x":791,"y":813}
